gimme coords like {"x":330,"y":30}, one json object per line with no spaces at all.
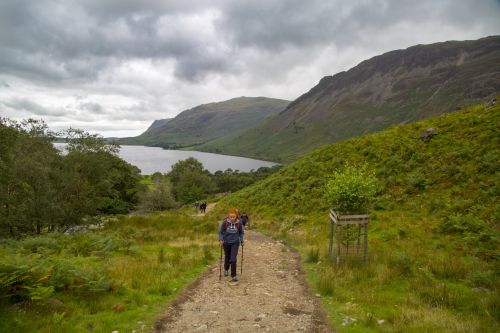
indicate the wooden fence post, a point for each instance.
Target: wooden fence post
{"x":340,"y":224}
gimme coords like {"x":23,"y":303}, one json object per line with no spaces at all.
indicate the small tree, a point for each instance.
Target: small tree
{"x":190,"y":181}
{"x":351,"y":189}
{"x":158,"y":198}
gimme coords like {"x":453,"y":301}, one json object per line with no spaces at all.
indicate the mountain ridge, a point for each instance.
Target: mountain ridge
{"x":209,"y":121}
{"x":396,"y":87}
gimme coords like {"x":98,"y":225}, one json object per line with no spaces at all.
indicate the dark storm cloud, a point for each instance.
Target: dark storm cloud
{"x":61,"y":40}
{"x":64,"y":40}
{"x":277,"y":24}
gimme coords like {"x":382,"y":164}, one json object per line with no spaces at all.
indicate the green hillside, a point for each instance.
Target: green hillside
{"x":394,"y":88}
{"x":207,"y":122}
{"x":434,"y":236}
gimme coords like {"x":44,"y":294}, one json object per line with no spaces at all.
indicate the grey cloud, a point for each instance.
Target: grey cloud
{"x":61,"y":41}
{"x":36,"y":67}
{"x":195,"y":68}
{"x":277,"y":24}
{"x":80,"y":43}
{"x":140,"y":111}
{"x":24,"y":104}
{"x":92,"y":107}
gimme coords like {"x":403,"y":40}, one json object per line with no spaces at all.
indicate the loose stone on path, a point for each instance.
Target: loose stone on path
{"x":270,"y":296}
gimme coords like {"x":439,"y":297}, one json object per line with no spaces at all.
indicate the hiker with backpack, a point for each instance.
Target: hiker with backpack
{"x":231,"y":234}
{"x":244,"y":219}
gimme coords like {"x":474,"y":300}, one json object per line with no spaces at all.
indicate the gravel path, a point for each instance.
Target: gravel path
{"x":271,"y":296}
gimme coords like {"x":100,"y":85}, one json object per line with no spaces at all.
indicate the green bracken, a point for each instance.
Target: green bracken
{"x":117,"y":278}
{"x":433,"y":238}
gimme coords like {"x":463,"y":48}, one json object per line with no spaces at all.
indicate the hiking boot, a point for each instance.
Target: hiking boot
{"x":234,"y":279}
{"x":226,"y":273}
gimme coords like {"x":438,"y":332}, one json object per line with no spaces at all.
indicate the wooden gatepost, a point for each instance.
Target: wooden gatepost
{"x":347,"y":230}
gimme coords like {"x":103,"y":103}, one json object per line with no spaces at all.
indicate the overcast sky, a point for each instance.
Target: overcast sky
{"x":113,"y":66}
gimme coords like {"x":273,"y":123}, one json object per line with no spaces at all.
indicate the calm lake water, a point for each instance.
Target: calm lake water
{"x":153,"y":159}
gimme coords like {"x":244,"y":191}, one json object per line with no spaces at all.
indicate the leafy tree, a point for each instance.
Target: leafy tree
{"x":160,"y":197}
{"x":29,"y":175}
{"x":351,"y":189}
{"x":110,"y":183}
{"x":40,"y":189}
{"x":190,"y":164}
{"x":190,"y":181}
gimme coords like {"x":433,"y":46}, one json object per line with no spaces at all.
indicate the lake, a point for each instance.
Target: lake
{"x":155,"y":159}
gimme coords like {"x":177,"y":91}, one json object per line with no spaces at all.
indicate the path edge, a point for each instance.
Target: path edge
{"x":319,"y":314}
{"x":174,"y":308}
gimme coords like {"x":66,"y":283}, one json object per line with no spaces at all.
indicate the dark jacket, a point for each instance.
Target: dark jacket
{"x":231,"y":232}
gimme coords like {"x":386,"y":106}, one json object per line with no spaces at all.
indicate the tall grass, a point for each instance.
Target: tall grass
{"x":104,"y":280}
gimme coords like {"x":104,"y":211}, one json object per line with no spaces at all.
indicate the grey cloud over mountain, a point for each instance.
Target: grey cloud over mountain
{"x":24,"y":104}
{"x":171,"y":55}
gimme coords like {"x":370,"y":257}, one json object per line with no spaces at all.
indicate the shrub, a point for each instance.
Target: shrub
{"x":161,"y":256}
{"x":63,"y":275}
{"x":484,"y":279}
{"x":326,"y":282}
{"x":312,"y":255}
{"x":160,"y":197}
{"x":403,"y":264}
{"x":351,"y":189}
{"x":24,"y":278}
{"x":37,"y":244}
{"x":458,"y":223}
{"x":208,"y":254}
{"x":96,"y":244}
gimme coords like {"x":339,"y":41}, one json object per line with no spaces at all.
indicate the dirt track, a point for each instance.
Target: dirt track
{"x":271,"y":296}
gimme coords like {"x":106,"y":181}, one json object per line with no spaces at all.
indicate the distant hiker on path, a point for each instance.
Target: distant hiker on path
{"x":203,"y":207}
{"x":244,"y":219}
{"x":231,"y":233}
{"x":196,"y":204}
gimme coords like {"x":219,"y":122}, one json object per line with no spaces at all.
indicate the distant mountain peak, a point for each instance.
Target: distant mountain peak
{"x":207,"y":122}
{"x":159,"y":123}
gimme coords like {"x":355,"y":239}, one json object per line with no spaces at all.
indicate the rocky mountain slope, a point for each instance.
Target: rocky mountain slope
{"x":394,"y":88}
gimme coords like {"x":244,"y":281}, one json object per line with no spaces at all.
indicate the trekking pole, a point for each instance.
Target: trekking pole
{"x":220,"y":264}
{"x":241,"y":258}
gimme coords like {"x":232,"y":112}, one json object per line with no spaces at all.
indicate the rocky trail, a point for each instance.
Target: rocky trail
{"x":270,"y":296}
